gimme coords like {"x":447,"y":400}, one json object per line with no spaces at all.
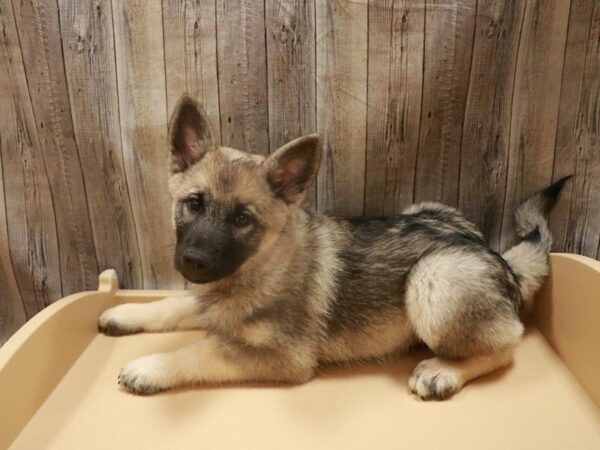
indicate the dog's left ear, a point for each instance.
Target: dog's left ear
{"x":189,"y":134}
{"x":293,"y":167}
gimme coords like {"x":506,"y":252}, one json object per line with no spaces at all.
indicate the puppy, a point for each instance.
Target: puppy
{"x":281,"y":290}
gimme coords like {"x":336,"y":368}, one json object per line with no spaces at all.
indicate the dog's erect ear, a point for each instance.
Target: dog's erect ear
{"x":189,"y":134}
{"x":292,"y":168}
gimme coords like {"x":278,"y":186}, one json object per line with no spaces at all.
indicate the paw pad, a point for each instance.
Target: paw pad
{"x":136,"y":386}
{"x":111,"y":328}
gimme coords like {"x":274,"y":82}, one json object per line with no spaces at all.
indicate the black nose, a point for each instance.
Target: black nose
{"x":197,"y":259}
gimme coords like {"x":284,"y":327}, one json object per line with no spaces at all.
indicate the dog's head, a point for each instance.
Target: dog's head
{"x":229,"y":205}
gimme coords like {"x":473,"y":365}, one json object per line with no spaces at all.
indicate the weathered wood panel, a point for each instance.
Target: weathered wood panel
{"x":12,"y":310}
{"x":13,"y":94}
{"x":535,"y":105}
{"x":242,"y":66}
{"x":449,"y":33}
{"x":29,"y":242}
{"x":143,"y":111}
{"x":485,"y":142}
{"x":88,"y":52}
{"x":290,"y":26}
{"x":190,"y":42}
{"x":395,"y":81}
{"x":40,"y":39}
{"x":342,"y":43}
{"x":577,"y":220}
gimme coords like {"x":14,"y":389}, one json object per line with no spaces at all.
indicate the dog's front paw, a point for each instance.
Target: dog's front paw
{"x":433,"y":379}
{"x":145,"y":376}
{"x":119,"y":321}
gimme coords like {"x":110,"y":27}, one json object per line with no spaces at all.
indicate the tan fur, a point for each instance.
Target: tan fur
{"x":171,"y":313}
{"x":533,"y":267}
{"x":437,"y":284}
{"x":386,"y":336}
{"x":314,"y":289}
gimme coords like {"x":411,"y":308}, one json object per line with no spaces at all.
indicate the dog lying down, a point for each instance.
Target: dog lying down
{"x":281,"y":290}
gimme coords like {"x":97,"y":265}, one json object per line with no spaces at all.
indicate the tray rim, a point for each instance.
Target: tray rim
{"x":107,"y":283}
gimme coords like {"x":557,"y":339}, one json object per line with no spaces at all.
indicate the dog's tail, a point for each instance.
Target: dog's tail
{"x":529,"y":258}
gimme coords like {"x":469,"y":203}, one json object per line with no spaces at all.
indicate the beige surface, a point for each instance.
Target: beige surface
{"x":535,"y":404}
{"x":568,"y":314}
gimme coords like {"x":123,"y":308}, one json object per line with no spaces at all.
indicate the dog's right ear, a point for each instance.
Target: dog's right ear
{"x":189,"y":134}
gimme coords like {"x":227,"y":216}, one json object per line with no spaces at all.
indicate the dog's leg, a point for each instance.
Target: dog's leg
{"x":439,"y":378}
{"x":211,"y":360}
{"x":172,"y":313}
{"x":459,"y":304}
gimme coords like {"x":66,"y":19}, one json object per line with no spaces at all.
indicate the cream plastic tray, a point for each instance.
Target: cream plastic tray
{"x":58,"y":388}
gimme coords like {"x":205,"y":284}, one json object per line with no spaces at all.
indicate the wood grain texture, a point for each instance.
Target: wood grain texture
{"x":143,"y":115}
{"x":485,"y":142}
{"x":341,"y":46}
{"x":190,"y":43}
{"x":449,"y":32}
{"x":535,"y":106}
{"x":396,"y":34}
{"x":576,"y":221}
{"x":12,"y":309}
{"x":40,"y":39}
{"x":242,"y":66}
{"x":29,"y":239}
{"x":88,"y":52}
{"x":290,"y":26}
{"x":13,"y":92}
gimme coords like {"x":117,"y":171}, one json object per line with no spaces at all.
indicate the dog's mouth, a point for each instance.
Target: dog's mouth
{"x":201,"y":264}
{"x":202,"y":279}
{"x":205,"y":276}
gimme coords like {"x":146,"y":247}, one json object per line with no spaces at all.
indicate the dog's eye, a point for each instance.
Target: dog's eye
{"x":195,"y":204}
{"x":242,"y":219}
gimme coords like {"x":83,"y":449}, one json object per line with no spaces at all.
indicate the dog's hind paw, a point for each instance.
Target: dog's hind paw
{"x":434,"y":379}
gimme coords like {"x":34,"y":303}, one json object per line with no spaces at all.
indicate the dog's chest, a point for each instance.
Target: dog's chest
{"x":243,"y":323}
{"x":228,"y":319}
{"x":222,"y":317}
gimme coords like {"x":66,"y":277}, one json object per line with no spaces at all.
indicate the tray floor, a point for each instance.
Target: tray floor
{"x":535,"y":404}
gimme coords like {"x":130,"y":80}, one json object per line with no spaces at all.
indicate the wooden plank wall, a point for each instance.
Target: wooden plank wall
{"x":470,"y":102}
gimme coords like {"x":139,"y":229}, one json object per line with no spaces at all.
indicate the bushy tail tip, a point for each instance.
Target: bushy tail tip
{"x":529,"y":258}
{"x":530,"y":217}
